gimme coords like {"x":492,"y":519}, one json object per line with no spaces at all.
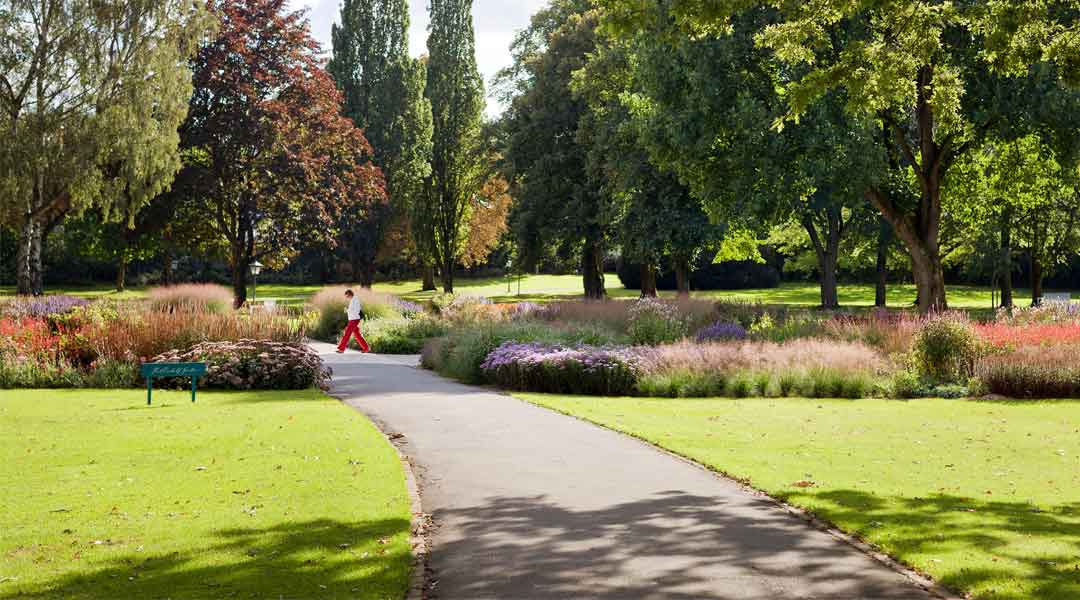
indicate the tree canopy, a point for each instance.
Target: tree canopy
{"x":91,"y":95}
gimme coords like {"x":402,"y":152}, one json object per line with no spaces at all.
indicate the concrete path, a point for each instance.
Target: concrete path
{"x":529,"y":504}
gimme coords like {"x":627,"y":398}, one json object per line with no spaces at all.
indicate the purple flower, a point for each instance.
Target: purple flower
{"x":722,"y":331}
{"x":407,"y":308}
{"x":44,"y":306}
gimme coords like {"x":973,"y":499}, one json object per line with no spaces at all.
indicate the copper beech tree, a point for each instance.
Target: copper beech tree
{"x":270,"y":161}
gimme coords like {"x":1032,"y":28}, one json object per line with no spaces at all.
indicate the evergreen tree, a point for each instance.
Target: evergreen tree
{"x":383,"y":90}
{"x":456,"y":93}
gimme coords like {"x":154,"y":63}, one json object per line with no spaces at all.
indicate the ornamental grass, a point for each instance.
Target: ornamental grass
{"x":191,"y":297}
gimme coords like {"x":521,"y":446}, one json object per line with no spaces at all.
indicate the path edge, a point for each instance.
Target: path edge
{"x":419,"y":521}
{"x":916,"y":577}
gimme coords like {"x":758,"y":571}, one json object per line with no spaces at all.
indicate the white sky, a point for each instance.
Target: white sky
{"x":495,"y":22}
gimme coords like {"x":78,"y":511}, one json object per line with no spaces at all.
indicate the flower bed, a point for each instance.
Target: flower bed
{"x":548,"y":368}
{"x":683,"y":350}
{"x":253,"y":365}
{"x":65,"y":343}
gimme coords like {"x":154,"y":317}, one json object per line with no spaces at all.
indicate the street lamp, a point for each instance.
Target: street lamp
{"x":256,"y":268}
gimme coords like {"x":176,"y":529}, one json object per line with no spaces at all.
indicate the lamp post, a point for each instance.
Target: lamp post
{"x":256,"y":268}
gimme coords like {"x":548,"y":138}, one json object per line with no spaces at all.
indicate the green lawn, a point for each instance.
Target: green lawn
{"x":245,"y":495}
{"x":542,"y":288}
{"x":539,"y":288}
{"x":984,"y":496}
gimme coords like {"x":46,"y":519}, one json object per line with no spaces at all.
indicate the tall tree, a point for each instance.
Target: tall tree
{"x":270,"y":160}
{"x":456,"y":93}
{"x":706,"y":104}
{"x":91,"y":94}
{"x":558,"y":201}
{"x":935,"y":73}
{"x":660,"y":224}
{"x":384,"y":96}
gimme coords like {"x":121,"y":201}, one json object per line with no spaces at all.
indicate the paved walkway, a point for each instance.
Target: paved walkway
{"x":529,"y":504}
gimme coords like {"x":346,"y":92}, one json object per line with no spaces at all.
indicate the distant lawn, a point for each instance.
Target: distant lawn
{"x":546,"y":288}
{"x":984,"y":496}
{"x":267,"y":495}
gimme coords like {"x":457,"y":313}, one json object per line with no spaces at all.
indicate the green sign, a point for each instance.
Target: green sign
{"x":152,"y":370}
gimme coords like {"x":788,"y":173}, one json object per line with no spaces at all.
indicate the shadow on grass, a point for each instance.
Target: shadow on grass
{"x":1031,"y":551}
{"x":312,"y":559}
{"x":671,"y":545}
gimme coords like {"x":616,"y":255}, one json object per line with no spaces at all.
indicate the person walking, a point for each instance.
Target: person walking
{"x":356,"y":313}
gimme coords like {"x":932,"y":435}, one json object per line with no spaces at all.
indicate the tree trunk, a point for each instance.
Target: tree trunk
{"x":121,"y":271}
{"x":167,"y":274}
{"x":240,"y":277}
{"x":880,"y":289}
{"x":682,"y":276}
{"x":428,"y":273}
{"x":1005,"y":266}
{"x":919,"y":230}
{"x":447,"y":275}
{"x":592,"y":270}
{"x":1036,"y":279}
{"x":28,"y":271}
{"x":648,"y":281}
{"x":367,"y":275}
{"x":829,"y":296}
{"x":828,"y":254}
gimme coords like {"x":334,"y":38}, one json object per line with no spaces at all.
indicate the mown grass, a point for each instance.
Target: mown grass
{"x":264,"y":495}
{"x":984,"y":496}
{"x":543,"y":288}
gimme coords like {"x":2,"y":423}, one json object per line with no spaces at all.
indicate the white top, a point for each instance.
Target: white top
{"x":354,"y":309}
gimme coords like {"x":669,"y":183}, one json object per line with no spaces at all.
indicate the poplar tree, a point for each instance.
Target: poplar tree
{"x":384,"y":95}
{"x":456,"y":93}
{"x":91,"y":95}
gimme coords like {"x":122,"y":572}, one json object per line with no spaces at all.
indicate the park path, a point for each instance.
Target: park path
{"x":530,"y":504}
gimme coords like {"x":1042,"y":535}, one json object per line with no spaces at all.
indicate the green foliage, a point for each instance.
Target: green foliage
{"x":652,"y":323}
{"x":560,"y":205}
{"x":109,"y":373}
{"x":383,"y":89}
{"x":402,"y":336}
{"x":945,"y":350}
{"x":460,"y":354}
{"x":16,"y":373}
{"x":456,"y":92}
{"x":100,"y":127}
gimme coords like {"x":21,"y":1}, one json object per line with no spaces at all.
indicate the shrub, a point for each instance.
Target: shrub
{"x":721,"y":331}
{"x":194,"y":297}
{"x":745,"y":313}
{"x":945,"y":349}
{"x":653,"y":323}
{"x":252,"y":364}
{"x":112,"y":374}
{"x":402,"y":336}
{"x":791,"y":326}
{"x":557,"y":369}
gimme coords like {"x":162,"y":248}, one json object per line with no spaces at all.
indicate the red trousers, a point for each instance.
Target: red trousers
{"x":353,"y":329}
